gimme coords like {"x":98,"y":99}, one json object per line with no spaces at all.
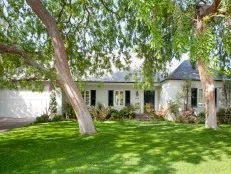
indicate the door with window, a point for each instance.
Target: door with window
{"x":149,"y":100}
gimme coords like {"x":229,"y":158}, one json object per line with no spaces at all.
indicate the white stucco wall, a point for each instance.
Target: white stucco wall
{"x":103,"y":88}
{"x":157,"y":90}
{"x":25,"y":103}
{"x":220,"y":100}
{"x":59,"y":101}
{"x":169,"y":91}
{"x":171,"y":88}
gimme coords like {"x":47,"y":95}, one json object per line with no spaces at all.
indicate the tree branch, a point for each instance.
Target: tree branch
{"x":26,"y":58}
{"x":107,"y":8}
{"x":54,"y":33}
{"x":205,"y":9}
{"x":61,"y":11}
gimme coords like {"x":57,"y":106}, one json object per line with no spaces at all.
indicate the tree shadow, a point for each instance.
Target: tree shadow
{"x":119,"y":147}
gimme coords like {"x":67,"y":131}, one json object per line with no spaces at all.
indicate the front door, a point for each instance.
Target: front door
{"x":149,"y":100}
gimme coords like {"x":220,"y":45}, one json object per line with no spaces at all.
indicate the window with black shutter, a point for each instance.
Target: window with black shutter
{"x":215,"y":97}
{"x":194,"y":97}
{"x":127,"y":98}
{"x":93,"y":97}
{"x":110,"y":98}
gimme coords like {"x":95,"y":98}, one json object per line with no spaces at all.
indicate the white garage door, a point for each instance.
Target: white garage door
{"x":23,"y":103}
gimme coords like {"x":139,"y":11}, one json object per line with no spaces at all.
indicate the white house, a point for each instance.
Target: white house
{"x":117,"y":92}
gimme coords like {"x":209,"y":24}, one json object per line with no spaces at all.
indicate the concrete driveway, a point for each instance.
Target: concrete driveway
{"x":7,"y":123}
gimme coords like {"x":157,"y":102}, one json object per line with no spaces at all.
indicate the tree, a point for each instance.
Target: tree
{"x":172,"y":28}
{"x":53,"y":103}
{"x":87,"y":32}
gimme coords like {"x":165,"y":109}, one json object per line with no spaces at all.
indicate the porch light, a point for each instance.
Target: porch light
{"x":137,"y":93}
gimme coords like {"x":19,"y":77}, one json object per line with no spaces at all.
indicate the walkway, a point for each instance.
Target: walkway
{"x":7,"y":123}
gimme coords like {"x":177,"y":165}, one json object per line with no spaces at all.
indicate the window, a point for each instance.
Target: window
{"x":110,"y":98}
{"x":93,"y":97}
{"x":86,"y":97}
{"x":194,"y":97}
{"x":89,"y":97}
{"x":201,"y":97}
{"x":215,"y":97}
{"x":127,"y":98}
{"x":119,"y":98}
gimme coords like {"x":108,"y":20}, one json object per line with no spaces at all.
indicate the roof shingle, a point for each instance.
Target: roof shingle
{"x":185,"y":71}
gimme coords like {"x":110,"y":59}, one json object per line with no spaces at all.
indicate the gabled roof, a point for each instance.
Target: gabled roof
{"x":185,"y":71}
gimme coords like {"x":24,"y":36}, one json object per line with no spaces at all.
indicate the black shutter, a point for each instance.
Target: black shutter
{"x":215,"y":97}
{"x":127,"y":98}
{"x":110,"y":98}
{"x":93,"y":97}
{"x":194,"y":97}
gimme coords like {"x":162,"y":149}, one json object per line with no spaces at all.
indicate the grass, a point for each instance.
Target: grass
{"x":119,"y":147}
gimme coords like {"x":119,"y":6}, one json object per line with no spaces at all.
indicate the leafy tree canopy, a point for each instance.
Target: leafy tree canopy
{"x":169,"y":31}
{"x":96,"y":35}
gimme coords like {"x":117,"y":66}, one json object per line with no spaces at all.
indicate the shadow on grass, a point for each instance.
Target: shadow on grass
{"x":119,"y":147}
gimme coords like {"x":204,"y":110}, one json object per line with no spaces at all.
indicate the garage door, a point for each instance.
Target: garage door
{"x":23,"y":103}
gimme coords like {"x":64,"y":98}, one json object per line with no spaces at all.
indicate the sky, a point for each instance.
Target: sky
{"x":137,"y":63}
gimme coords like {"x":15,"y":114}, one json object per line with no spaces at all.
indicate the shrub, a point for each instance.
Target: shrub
{"x":201,"y":117}
{"x":53,"y":103}
{"x":126,"y":113}
{"x":224,"y":116}
{"x":100,"y":112}
{"x":114,"y":115}
{"x":173,"y":107}
{"x":69,"y":112}
{"x":148,"y":108}
{"x":187,"y":117}
{"x":42,"y":119}
{"x":58,"y":118}
{"x":157,"y":116}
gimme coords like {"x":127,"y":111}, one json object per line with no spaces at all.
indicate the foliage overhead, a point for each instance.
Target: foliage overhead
{"x":96,"y":35}
{"x":169,"y":32}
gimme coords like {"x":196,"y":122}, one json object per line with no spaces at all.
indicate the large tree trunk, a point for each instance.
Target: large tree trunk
{"x":64,"y":77}
{"x":203,"y":68}
{"x":209,"y":94}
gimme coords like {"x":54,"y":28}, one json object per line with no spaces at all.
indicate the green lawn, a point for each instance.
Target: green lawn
{"x":119,"y":147}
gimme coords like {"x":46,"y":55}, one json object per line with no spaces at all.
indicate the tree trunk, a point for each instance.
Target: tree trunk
{"x":205,"y":76}
{"x":64,"y":77}
{"x":74,"y":96}
{"x":209,"y":94}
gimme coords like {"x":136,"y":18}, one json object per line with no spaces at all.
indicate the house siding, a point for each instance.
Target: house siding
{"x":31,"y":104}
{"x":102,"y":93}
{"x":171,"y":89}
{"x":25,"y":103}
{"x":220,"y":98}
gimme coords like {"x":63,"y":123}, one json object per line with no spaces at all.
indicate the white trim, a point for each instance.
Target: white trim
{"x":123,"y":104}
{"x":83,"y":93}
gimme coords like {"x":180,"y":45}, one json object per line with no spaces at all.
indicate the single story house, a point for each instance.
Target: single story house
{"x":182,"y":86}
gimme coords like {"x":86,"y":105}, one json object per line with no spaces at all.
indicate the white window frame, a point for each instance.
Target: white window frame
{"x":87,"y":99}
{"x":200,"y":96}
{"x":119,"y":101}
